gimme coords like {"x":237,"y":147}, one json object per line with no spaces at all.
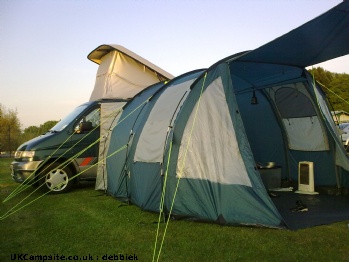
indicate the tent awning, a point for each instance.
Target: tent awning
{"x":323,"y":38}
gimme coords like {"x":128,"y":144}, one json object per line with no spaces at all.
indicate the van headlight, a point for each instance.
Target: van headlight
{"x":24,"y":154}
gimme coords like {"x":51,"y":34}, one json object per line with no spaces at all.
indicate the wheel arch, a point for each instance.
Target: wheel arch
{"x":72,"y":165}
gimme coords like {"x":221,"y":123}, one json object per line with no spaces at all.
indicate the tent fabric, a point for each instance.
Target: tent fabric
{"x":303,"y":128}
{"x":307,"y":45}
{"x":213,"y":146}
{"x":245,"y":80}
{"x":201,"y":155}
{"x":340,"y":155}
{"x":323,"y":209}
{"x":138,"y":181}
{"x":151,"y":148}
{"x":122,"y":74}
{"x":305,"y":134}
{"x":123,"y":134}
{"x":110,"y":114}
{"x":292,"y":103}
{"x":253,"y":76}
{"x":263,"y":128}
{"x":207,"y":199}
{"x":147,"y":173}
{"x":97,"y":56}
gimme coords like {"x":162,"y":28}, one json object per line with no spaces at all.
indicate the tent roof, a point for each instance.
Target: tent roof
{"x":97,"y":54}
{"x":323,"y":38}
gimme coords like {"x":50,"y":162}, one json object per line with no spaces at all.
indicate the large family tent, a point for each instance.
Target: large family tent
{"x":193,"y":144}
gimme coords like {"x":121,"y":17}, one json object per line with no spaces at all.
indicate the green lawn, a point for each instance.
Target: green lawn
{"x":84,"y":224}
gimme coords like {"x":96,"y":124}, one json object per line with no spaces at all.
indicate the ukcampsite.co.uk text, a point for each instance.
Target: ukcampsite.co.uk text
{"x":57,"y":257}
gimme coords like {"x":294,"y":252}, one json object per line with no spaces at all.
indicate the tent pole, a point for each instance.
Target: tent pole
{"x":338,"y":178}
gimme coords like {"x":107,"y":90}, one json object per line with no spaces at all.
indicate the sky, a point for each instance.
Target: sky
{"x":44,"y":70}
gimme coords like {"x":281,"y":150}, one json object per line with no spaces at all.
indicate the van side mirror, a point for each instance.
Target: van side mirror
{"x":84,"y":127}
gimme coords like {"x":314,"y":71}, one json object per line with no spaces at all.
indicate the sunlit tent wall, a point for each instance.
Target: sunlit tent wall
{"x":136,"y":172}
{"x":198,"y":138}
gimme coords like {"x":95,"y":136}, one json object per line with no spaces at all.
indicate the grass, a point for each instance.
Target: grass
{"x":83,"y":223}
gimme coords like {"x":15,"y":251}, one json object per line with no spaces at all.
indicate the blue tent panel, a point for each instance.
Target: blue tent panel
{"x":321,"y":39}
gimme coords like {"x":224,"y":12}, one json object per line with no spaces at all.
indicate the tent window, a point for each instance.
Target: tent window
{"x":293,"y":104}
{"x":302,"y":125}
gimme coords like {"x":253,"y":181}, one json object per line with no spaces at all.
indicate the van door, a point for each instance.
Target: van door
{"x":85,"y":139}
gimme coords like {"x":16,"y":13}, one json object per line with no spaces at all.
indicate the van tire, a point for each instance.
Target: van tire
{"x":55,"y":178}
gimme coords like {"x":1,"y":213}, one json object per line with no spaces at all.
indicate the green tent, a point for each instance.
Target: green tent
{"x":198,"y":139}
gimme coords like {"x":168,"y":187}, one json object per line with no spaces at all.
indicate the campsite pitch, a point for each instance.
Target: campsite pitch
{"x":85,"y":224}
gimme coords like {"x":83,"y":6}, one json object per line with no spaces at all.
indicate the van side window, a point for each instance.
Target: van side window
{"x":93,"y":117}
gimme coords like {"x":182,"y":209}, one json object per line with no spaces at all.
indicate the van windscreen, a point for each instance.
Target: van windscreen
{"x":69,"y":118}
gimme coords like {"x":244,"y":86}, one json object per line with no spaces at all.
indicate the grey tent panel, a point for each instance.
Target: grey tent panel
{"x":151,"y":142}
{"x":209,"y":148}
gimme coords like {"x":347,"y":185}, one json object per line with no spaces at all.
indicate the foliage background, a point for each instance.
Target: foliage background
{"x":336,"y":87}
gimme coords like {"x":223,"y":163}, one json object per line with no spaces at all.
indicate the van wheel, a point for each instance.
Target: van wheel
{"x":55,"y":179}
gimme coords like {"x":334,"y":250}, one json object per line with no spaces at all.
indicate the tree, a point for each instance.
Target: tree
{"x":47,"y":126}
{"x":323,"y":76}
{"x":34,"y":131}
{"x":10,"y":130}
{"x":335,"y":86}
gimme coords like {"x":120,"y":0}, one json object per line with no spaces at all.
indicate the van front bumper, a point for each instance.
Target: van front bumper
{"x":23,"y":171}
